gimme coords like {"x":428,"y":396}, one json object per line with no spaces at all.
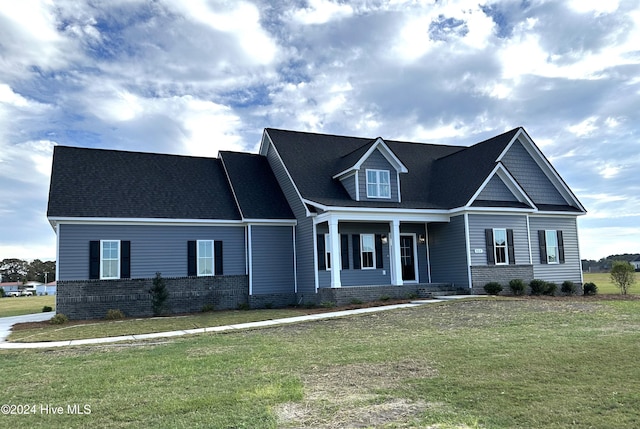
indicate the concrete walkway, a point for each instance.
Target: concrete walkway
{"x":264,"y":323}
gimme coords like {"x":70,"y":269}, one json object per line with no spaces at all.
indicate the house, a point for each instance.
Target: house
{"x":10,"y":287}
{"x":46,"y":288}
{"x":310,"y":218}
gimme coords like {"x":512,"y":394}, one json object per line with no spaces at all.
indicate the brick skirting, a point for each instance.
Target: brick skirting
{"x":91,"y":299}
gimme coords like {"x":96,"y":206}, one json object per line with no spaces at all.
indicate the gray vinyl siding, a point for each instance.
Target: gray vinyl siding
{"x":571,"y":269}
{"x":154,"y":248}
{"x":477,"y":226}
{"x":349,"y":184}
{"x":305,"y":264}
{"x":496,"y":190}
{"x":359,"y":277}
{"x":529,"y":175}
{"x":447,"y":249}
{"x":272,"y":260}
{"x":377,"y":161}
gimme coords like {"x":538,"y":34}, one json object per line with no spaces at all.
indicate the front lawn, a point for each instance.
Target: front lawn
{"x":491,"y":363}
{"x":25,"y":305}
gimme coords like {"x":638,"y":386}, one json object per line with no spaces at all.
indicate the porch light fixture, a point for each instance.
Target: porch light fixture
{"x":384,"y":239}
{"x":422,"y":239}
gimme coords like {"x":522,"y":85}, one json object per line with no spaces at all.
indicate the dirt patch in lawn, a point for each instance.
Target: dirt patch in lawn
{"x":348,"y":396}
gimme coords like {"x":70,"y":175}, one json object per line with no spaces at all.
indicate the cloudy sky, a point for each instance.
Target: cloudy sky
{"x":193,"y":77}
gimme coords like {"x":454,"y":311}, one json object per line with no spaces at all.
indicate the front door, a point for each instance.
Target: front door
{"x":407,"y":258}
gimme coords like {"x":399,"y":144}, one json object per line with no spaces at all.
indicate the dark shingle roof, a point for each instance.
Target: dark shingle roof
{"x":120,"y":184}
{"x":255,"y":186}
{"x":439,"y":176}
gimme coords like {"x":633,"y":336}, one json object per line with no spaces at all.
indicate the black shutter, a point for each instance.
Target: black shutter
{"x":125,"y":260}
{"x":560,"y":247}
{"x":320,"y":245}
{"x":94,"y":259}
{"x":355,"y":240}
{"x":542,"y":242}
{"x":379,"y":251}
{"x":510,"y":247}
{"x":191,"y":259}
{"x":344,"y":251}
{"x":218,"y":262}
{"x":488,"y":238}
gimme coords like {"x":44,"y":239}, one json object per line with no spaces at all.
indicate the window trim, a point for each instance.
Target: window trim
{"x":552,"y":233}
{"x":373,"y":252}
{"x":213,"y":258}
{"x":378,"y":183}
{"x":102,"y":259}
{"x":496,"y":246}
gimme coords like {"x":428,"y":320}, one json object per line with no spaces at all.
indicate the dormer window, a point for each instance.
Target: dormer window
{"x":378,"y":184}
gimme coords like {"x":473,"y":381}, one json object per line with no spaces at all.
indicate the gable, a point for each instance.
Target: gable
{"x":531,"y":177}
{"x":496,"y":190}
{"x":377,"y":161}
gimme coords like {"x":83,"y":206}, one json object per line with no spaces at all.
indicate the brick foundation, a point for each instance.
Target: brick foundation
{"x":348,"y":294}
{"x":481,"y":275}
{"x":91,"y":299}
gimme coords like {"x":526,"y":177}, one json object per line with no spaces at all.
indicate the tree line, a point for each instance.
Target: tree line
{"x":605,"y":264}
{"x":18,"y":270}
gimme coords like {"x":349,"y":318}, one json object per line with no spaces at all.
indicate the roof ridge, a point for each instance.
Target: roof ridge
{"x":96,"y":149}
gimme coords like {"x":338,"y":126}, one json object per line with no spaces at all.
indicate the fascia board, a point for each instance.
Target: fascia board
{"x":286,"y":170}
{"x":386,"y":152}
{"x":142,"y":221}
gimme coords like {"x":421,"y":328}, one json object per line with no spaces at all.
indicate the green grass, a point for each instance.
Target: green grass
{"x":25,"y":305}
{"x":605,"y":286}
{"x":492,"y":363}
{"x":44,"y":331}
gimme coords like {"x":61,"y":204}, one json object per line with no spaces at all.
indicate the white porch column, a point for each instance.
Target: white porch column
{"x":396,"y":263}
{"x":334,"y":244}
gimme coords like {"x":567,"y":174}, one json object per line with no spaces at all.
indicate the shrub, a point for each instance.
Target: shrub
{"x":385,"y":298}
{"x":114,"y":315}
{"x":623,"y":275}
{"x":327,"y":304}
{"x":537,"y":287}
{"x":356,"y":301}
{"x":517,"y":286}
{"x":159,"y":295}
{"x":268,"y":305}
{"x":59,"y":319}
{"x":244,"y":306}
{"x":1,"y":292}
{"x":46,"y":309}
{"x":412,"y":295}
{"x":590,"y":289}
{"x":550,"y":288}
{"x":493,"y":288}
{"x":568,"y":287}
{"x":207,"y":308}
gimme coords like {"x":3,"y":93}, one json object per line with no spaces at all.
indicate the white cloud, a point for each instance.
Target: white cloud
{"x":584,"y":128}
{"x":321,"y":12}
{"x":596,"y":243}
{"x":242,"y":21}
{"x":596,"y":6}
{"x":609,"y":171}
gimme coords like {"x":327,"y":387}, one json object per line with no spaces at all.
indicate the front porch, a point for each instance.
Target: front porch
{"x":372,"y":251}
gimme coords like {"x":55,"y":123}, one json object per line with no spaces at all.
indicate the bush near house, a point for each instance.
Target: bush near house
{"x":517,"y":286}
{"x":590,"y":289}
{"x":568,"y":287}
{"x":493,"y":288}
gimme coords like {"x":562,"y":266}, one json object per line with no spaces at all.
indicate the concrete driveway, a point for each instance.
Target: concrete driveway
{"x":7,"y":322}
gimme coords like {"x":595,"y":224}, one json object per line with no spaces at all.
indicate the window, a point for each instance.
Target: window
{"x":205,"y":257}
{"x":327,"y":251}
{"x":367,"y":251}
{"x":378,"y":184}
{"x":551,"y":238}
{"x":500,"y":246}
{"x":109,"y":259}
